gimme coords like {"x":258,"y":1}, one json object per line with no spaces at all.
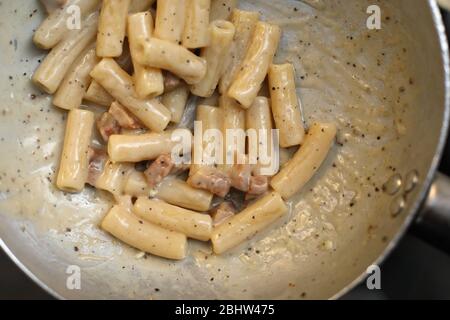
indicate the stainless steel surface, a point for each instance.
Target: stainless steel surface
{"x":444,"y":55}
{"x":433,"y":223}
{"x":39,"y":257}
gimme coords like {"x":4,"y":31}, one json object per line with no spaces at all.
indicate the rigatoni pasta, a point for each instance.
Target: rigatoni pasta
{"x":149,"y":82}
{"x":244,"y":225}
{"x":112,"y":27}
{"x":193,"y":224}
{"x":143,"y":235}
{"x":170,"y":56}
{"x":285,"y":105}
{"x":244,"y":23}
{"x":119,"y":84}
{"x":258,"y":118}
{"x":54,"y":28}
{"x":253,"y":71}
{"x":135,"y":148}
{"x":177,"y":192}
{"x":196,"y":29}
{"x":173,"y":177}
{"x":98,"y":95}
{"x":114,"y":177}
{"x":222,"y":9}
{"x":308,"y":159}
{"x":170,"y":20}
{"x":209,"y":118}
{"x":53,"y":69}
{"x":233,"y":126}
{"x":73,"y":168}
{"x":73,"y":88}
{"x":221,"y":36}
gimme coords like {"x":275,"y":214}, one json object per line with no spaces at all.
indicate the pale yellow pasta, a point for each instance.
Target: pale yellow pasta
{"x":196,"y":33}
{"x":234,"y":122}
{"x":112,"y":27}
{"x":72,"y":90}
{"x":244,"y":23}
{"x":53,"y":69}
{"x":222,"y":9}
{"x":140,"y":5}
{"x":114,"y":177}
{"x":143,"y":235}
{"x":258,"y":118}
{"x":98,"y":95}
{"x":285,"y":105}
{"x":209,"y":118}
{"x":178,"y":192}
{"x":175,"y":101}
{"x":253,"y":71}
{"x":137,"y":186}
{"x":170,"y":20}
{"x":132,"y":148}
{"x":171,"y":190}
{"x":305,"y":163}
{"x":221,"y":36}
{"x":172,"y":57}
{"x":149,"y":82}
{"x":73,"y":167}
{"x":244,"y":225}
{"x":193,"y":224}
{"x":119,"y":84}
{"x":286,"y":155}
{"x":54,"y":28}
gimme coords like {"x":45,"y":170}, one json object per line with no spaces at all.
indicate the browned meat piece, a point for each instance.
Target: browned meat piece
{"x":107,"y":126}
{"x":171,"y":81}
{"x":222,"y":213}
{"x":158,"y":170}
{"x":125,"y":119}
{"x":212,"y":179}
{"x":97,"y":161}
{"x":240,"y":176}
{"x":258,"y":185}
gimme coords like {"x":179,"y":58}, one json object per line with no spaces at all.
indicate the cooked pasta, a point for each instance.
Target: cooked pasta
{"x":221,"y":35}
{"x":196,"y":28}
{"x":285,"y":105}
{"x":112,"y":27}
{"x":186,"y":145}
{"x":253,"y":71}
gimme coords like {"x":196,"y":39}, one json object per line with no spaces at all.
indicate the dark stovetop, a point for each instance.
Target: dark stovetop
{"x":415,"y":270}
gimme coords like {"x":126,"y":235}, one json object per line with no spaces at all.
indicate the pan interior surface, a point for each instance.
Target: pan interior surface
{"x":385,"y":89}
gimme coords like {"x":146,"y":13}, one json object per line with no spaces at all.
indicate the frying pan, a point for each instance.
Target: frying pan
{"x":388,"y":92}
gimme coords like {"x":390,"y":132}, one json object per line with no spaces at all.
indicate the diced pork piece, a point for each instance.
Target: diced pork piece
{"x":211,"y":179}
{"x":158,"y":170}
{"x":222,"y":213}
{"x":107,"y":126}
{"x":258,"y":185}
{"x":125,"y":119}
{"x":171,"y":81}
{"x":97,"y":161}
{"x":240,"y":176}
